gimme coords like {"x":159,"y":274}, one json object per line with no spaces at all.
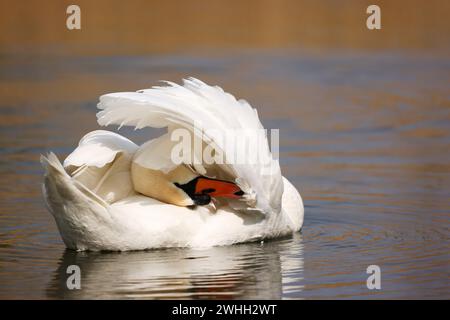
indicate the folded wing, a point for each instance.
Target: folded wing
{"x":101,"y":162}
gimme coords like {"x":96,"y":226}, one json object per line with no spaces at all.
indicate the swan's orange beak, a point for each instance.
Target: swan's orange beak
{"x":218,"y":188}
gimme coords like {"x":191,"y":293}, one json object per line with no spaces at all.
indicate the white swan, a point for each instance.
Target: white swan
{"x":114,"y":195}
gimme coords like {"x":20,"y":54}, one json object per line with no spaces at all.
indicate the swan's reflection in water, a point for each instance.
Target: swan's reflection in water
{"x":246,"y":271}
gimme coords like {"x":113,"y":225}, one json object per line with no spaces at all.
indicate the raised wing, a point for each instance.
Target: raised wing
{"x":209,"y":112}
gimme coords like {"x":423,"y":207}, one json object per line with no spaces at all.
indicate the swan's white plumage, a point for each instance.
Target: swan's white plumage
{"x":86,"y":222}
{"x":92,"y":198}
{"x":102,"y":164}
{"x":99,"y":147}
{"x":155,"y":154}
{"x":212,"y":110}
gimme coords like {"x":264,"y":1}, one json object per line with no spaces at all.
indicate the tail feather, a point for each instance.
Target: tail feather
{"x":52,"y":165}
{"x":59,"y":186}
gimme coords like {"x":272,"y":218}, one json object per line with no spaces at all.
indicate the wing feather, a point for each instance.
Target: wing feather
{"x":211,"y":109}
{"x":98,"y":148}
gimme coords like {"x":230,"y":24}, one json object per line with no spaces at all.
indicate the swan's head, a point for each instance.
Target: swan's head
{"x":201,"y":189}
{"x":181,"y":186}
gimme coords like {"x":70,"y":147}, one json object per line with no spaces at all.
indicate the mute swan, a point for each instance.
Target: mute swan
{"x":110,"y":194}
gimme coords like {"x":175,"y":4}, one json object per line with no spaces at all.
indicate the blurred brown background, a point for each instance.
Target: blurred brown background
{"x":138,"y":26}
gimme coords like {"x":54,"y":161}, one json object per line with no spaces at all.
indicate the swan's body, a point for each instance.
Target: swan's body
{"x":114,"y":195}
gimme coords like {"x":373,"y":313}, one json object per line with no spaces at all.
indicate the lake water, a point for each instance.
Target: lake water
{"x":364,"y":136}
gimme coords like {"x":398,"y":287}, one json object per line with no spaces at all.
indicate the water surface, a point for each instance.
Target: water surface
{"x":364,"y":136}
